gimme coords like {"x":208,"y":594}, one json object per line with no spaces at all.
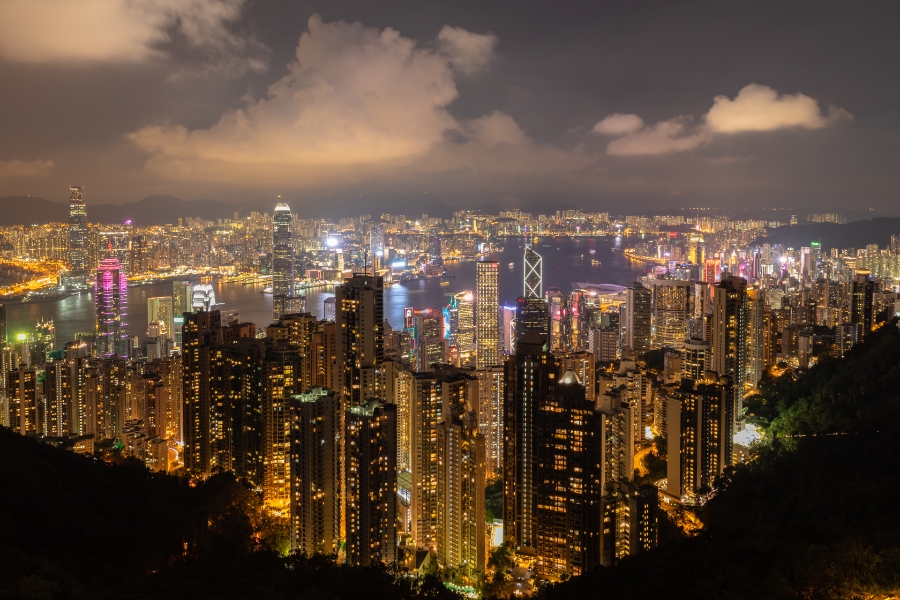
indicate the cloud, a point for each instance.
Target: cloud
{"x":468,"y":52}
{"x":755,"y":108}
{"x":20,"y":168}
{"x":357,"y":102}
{"x":674,"y":135}
{"x":760,"y":108}
{"x":118,"y":31}
{"x":618,"y":124}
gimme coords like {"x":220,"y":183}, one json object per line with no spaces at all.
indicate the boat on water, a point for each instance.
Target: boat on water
{"x":445,"y":283}
{"x":512,"y":265}
{"x":593,"y":251}
{"x":47,"y":296}
{"x":267,"y":290}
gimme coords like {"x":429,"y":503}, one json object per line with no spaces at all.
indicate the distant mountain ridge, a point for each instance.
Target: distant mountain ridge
{"x":855,"y":234}
{"x":160,"y":210}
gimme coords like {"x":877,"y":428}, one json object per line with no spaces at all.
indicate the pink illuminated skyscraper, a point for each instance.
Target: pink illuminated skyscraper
{"x":111,"y":302}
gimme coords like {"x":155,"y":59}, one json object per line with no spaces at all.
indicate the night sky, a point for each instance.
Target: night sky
{"x":600,"y":105}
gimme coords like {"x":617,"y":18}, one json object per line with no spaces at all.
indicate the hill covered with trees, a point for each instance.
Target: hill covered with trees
{"x":76,"y":527}
{"x":814,"y":515}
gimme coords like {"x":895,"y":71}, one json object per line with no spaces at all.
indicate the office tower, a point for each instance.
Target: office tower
{"x":280,"y":379}
{"x":160,"y":310}
{"x":282,"y":260}
{"x":21,"y":390}
{"x":577,"y":320}
{"x":426,"y":416}
{"x":370,"y":497}
{"x":78,"y":233}
{"x":567,"y":463}
{"x":728,"y":355}
{"x":430,"y":343}
{"x":693,"y":360}
{"x":316,"y":480}
{"x":530,"y":376}
{"x":376,"y":247}
{"x":2,"y":324}
{"x":671,"y":310}
{"x":491,"y":392}
{"x":328,"y":309}
{"x":630,"y":516}
{"x":464,"y":334}
{"x":203,"y":298}
{"x":460,"y":491}
{"x":532,"y":315}
{"x":861,"y":300}
{"x":637,"y":327}
{"x":508,"y":328}
{"x":182,"y":298}
{"x":111,"y":302}
{"x":699,"y":436}
{"x":534,"y":271}
{"x":558,"y":328}
{"x":359,"y":321}
{"x":603,"y":342}
{"x":487,"y":311}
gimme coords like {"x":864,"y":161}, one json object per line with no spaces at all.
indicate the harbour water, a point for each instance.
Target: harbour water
{"x":565,"y":260}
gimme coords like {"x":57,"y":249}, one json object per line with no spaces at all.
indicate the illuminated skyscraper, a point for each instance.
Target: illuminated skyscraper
{"x":728,"y":350}
{"x":638,"y":307}
{"x":111,"y":302}
{"x":533,"y":274}
{"x":861,"y":300}
{"x":282,"y":260}
{"x":487,"y":313}
{"x":2,"y":323}
{"x":77,"y":231}
{"x":359,"y":320}
{"x":671,"y":309}
{"x":531,"y":315}
{"x":370,"y":498}
{"x":316,"y":499}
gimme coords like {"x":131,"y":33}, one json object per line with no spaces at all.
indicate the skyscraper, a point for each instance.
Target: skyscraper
{"x":359,"y":319}
{"x":638,"y":305}
{"x":461,"y":475}
{"x":530,"y":376}
{"x":531,"y":315}
{"x":370,"y":497}
{"x":282,"y":260}
{"x":111,"y":303}
{"x":2,"y":323}
{"x":430,"y":344}
{"x":728,"y":350}
{"x":77,"y":232}
{"x":567,"y":476}
{"x":316,"y":499}
{"x":487,"y":313}
{"x":671,"y":310}
{"x":534,"y":271}
{"x":861,"y":300}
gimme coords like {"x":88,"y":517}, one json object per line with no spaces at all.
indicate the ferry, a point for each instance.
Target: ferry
{"x":267,"y":290}
{"x":512,"y":265}
{"x":445,"y":283}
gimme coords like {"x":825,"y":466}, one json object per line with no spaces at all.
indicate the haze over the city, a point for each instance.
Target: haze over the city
{"x":503,"y":104}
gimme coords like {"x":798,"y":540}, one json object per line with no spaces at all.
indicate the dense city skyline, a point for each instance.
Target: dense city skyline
{"x":472,"y":301}
{"x":700,"y":104}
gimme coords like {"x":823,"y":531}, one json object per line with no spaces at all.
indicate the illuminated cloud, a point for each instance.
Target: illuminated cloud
{"x":468,"y":52}
{"x":20,"y":168}
{"x":116,"y":31}
{"x":357,"y":102}
{"x":619,"y":124}
{"x":760,"y":108}
{"x":755,"y":108}
{"x":674,"y":135}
